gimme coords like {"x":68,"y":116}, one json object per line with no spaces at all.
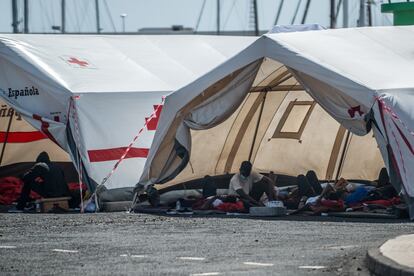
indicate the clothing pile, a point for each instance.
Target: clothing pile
{"x":10,"y":188}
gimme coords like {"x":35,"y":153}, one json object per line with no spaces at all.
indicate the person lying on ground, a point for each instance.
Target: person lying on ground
{"x":328,"y":200}
{"x":353,"y":193}
{"x":311,"y":197}
{"x":344,"y":194}
{"x":250,"y":185}
{"x":337,"y":197}
{"x":45,"y":178}
{"x":307,"y":186}
{"x":378,"y":190}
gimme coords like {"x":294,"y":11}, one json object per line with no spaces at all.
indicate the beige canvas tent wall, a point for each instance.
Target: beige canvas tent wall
{"x":21,"y":143}
{"x":280,"y":128}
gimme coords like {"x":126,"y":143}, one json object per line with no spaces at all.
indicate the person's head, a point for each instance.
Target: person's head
{"x":43,"y":157}
{"x":245,"y":169}
{"x":302,"y":181}
{"x":311,"y":176}
{"x":341,"y":184}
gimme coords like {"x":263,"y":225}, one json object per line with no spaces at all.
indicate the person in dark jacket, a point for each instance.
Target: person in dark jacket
{"x":44,"y":178}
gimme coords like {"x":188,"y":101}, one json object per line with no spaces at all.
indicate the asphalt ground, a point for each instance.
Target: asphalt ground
{"x":145,"y":244}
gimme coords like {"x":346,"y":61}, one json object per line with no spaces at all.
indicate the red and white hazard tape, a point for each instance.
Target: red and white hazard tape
{"x":394,"y":116}
{"x":388,"y":109}
{"x":147,"y":121}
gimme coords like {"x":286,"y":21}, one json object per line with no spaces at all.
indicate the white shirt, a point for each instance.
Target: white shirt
{"x":237,"y":183}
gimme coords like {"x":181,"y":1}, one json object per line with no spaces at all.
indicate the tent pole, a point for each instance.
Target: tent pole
{"x":257,"y":125}
{"x":6,"y":137}
{"x":343,"y":154}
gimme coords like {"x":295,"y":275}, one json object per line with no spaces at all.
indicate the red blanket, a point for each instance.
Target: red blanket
{"x":74,"y":186}
{"x":230,"y":207}
{"x":10,"y":188}
{"x":385,"y":202}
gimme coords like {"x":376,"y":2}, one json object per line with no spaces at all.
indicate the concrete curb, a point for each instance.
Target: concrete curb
{"x":380,"y":265}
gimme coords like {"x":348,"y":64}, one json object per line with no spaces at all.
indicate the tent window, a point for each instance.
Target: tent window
{"x":294,"y":120}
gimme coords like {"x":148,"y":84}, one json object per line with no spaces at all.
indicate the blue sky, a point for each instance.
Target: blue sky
{"x":164,"y":13}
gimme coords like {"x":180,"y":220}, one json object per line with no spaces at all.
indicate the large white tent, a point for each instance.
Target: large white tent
{"x":92,"y":94}
{"x":362,"y":77}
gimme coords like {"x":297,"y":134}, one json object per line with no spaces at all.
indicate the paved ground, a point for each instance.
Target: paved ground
{"x":140,"y":244}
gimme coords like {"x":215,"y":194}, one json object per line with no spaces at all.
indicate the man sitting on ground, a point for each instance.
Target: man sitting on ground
{"x":250,"y":185}
{"x":44,"y":178}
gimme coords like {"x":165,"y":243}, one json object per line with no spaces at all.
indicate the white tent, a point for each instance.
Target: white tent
{"x":362,"y":77}
{"x":93,"y":93}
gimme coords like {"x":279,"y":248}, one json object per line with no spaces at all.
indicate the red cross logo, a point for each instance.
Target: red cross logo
{"x":81,"y":63}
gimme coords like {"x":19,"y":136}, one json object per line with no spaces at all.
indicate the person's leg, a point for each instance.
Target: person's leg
{"x":24,"y":195}
{"x":208,"y":203}
{"x":261,"y":187}
{"x":314,"y":182}
{"x":28,"y":186}
{"x":383,"y":178}
{"x":209,"y":187}
{"x":305,"y":189}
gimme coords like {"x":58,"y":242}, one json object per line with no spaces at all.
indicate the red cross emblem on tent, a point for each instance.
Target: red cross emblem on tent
{"x":78,"y":62}
{"x":81,"y":63}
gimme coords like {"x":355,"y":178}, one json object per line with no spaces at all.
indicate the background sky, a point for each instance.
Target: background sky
{"x":80,"y":14}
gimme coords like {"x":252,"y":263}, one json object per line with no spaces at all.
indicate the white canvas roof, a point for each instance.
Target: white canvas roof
{"x":349,"y":72}
{"x":114,"y":82}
